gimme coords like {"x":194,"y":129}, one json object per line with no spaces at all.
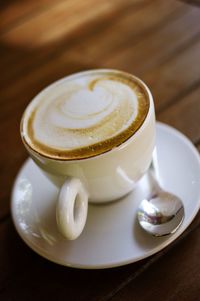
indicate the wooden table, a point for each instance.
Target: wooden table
{"x":44,"y":40}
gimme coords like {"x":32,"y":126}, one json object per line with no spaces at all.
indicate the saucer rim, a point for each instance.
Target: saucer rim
{"x":45,"y":254}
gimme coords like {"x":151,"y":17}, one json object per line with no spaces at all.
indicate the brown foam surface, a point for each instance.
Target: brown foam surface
{"x":109,"y":128}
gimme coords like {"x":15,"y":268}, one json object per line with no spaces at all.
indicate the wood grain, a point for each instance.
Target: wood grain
{"x":15,"y":12}
{"x":44,"y":279}
{"x":175,"y":77}
{"x":128,"y":30}
{"x":42,"y":41}
{"x":160,"y":44}
{"x":178,"y":280}
{"x":31,"y":58}
{"x":184,"y":115}
{"x":90,"y":284}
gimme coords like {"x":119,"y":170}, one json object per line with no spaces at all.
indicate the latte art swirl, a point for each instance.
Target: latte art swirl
{"x":85,"y":115}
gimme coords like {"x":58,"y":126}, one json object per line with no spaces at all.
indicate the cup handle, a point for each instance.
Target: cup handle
{"x":71,"y":209}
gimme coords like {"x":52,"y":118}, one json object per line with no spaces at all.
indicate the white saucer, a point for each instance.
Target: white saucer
{"x":112,"y":236}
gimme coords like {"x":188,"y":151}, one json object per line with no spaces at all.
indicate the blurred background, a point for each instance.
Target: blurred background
{"x":44,"y":40}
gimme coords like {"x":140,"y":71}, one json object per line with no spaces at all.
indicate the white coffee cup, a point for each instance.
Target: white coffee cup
{"x":101,"y":178}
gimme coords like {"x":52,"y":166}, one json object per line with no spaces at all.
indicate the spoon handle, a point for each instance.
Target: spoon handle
{"x":153,"y":174}
{"x":154,"y":166}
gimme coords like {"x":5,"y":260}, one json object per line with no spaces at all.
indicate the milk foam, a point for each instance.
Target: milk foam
{"x":81,"y":112}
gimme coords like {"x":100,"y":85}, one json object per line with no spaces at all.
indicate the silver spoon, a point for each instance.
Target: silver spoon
{"x":161,"y":213}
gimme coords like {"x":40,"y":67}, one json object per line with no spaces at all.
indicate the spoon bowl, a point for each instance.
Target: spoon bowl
{"x":162,"y":212}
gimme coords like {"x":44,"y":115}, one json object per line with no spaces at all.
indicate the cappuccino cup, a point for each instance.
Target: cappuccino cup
{"x":93,"y":135}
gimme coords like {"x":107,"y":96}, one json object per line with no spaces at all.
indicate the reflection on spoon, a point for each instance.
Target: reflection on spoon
{"x":161,"y":213}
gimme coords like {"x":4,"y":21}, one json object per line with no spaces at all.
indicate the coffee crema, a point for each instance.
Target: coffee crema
{"x":85,"y":114}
